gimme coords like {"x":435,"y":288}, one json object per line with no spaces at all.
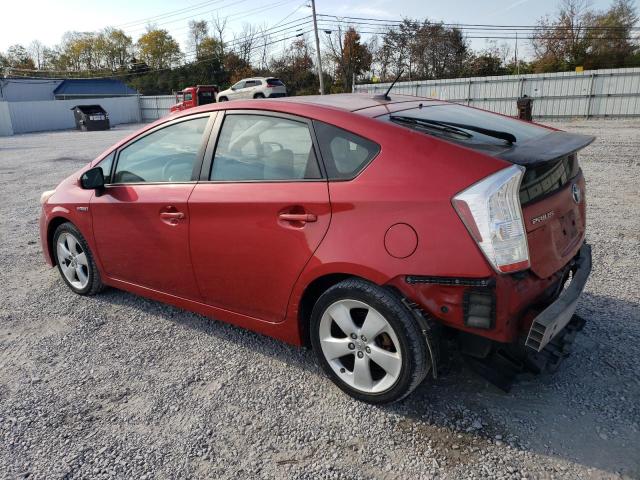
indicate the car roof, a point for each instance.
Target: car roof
{"x":362,"y":104}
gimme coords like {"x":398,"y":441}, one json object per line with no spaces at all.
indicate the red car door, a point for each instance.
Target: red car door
{"x":259,"y":213}
{"x":141,"y":220}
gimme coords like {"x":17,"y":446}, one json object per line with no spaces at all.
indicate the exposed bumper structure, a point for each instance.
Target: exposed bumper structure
{"x":557,"y":316}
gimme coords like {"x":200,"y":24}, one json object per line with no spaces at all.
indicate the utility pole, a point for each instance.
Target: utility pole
{"x":315,"y":30}
{"x":516,"y":52}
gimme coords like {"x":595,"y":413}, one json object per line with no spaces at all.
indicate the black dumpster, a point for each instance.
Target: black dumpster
{"x":525,"y":108}
{"x":91,"y":117}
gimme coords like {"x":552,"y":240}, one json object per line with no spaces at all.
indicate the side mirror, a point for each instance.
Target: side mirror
{"x":92,"y":179}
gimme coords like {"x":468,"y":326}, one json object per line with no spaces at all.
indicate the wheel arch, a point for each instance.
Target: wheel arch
{"x":54,"y":223}
{"x":310,"y":296}
{"x":321,"y":284}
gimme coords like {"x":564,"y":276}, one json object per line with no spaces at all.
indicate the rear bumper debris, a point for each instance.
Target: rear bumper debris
{"x":553,"y":319}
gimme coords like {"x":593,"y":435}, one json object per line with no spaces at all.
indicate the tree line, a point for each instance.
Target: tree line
{"x":576,"y":35}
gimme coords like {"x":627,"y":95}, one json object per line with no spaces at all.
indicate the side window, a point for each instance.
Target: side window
{"x":238,"y":85}
{"x":166,"y":155}
{"x":260,"y":147}
{"x":105,"y":165}
{"x":344,"y":153}
{"x":188,"y":96}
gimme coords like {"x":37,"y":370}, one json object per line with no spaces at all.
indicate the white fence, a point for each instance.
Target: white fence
{"x":5,"y":120}
{"x":57,"y":115}
{"x":155,"y":107}
{"x":595,"y":93}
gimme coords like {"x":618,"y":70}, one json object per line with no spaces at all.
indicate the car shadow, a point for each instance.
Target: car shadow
{"x":583,"y":414}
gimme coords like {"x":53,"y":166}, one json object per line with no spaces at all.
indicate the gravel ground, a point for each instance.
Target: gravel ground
{"x":116,"y":386}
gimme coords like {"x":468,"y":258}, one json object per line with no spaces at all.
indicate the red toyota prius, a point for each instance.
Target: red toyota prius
{"x":381,"y":231}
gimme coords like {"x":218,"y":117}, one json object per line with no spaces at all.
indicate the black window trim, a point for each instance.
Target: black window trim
{"x":113,"y":160}
{"x":207,"y":164}
{"x":199,"y":158}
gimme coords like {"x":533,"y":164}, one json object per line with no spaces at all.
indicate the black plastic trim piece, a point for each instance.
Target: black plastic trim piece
{"x":556,"y":316}
{"x":467,"y":302}
{"x":453,"y":281}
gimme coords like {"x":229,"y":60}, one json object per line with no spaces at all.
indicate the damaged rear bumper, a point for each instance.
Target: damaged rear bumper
{"x":553,"y":319}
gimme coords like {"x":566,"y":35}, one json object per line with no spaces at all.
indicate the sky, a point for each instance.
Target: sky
{"x":47,"y":20}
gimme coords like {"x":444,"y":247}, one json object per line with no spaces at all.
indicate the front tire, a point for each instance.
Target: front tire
{"x":223,"y":99}
{"x":259,"y":95}
{"x":368,"y":342}
{"x":75,"y":261}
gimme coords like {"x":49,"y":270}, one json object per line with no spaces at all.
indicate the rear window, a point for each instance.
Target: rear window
{"x":344,"y":153}
{"x":275,"y":82}
{"x":462,"y":115}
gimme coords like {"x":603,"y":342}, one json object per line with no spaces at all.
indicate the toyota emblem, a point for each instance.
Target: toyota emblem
{"x":576,"y":193}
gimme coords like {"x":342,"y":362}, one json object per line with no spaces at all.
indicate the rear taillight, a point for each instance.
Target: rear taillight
{"x":491,"y":211}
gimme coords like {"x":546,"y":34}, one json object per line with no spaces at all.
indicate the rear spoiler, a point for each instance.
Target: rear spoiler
{"x":544,"y":149}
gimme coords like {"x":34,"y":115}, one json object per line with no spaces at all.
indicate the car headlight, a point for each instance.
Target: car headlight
{"x":45,"y":196}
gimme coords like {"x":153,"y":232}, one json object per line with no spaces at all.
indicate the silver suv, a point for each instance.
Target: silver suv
{"x":256,"y":87}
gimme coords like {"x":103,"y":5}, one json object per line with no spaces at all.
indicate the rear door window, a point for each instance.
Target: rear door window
{"x":261,"y":147}
{"x":345,"y":154}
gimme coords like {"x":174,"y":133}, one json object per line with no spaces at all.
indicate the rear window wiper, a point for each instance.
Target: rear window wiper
{"x":451,"y":127}
{"x":429,"y":125}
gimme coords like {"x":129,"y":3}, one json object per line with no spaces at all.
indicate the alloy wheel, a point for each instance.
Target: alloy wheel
{"x":360,"y":346}
{"x":73,"y":260}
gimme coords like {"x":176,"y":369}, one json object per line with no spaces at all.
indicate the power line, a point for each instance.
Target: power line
{"x":506,"y":35}
{"x":463,"y":25}
{"x":171,"y":13}
{"x":239,"y":14}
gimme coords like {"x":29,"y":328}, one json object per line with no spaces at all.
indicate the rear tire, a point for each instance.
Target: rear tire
{"x":259,"y":95}
{"x":368,"y":342}
{"x":75,"y":260}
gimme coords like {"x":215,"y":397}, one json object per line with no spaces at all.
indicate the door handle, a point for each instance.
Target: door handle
{"x":172,"y":215}
{"x":172,"y":218}
{"x":298,"y":217}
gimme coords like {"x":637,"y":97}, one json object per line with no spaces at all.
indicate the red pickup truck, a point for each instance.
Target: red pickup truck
{"x":194,"y":96}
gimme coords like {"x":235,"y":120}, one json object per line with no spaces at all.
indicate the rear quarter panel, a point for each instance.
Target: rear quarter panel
{"x":412,"y":181}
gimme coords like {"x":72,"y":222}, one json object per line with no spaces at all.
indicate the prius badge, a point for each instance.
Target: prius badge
{"x":543,"y":217}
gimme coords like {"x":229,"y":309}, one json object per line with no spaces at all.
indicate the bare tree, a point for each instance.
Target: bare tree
{"x":245,"y":41}
{"x":198,"y":31}
{"x":264,"y":40}
{"x":219,"y":26}
{"x":36,"y":51}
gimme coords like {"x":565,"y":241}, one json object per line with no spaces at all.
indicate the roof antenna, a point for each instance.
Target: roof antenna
{"x":385,"y":95}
